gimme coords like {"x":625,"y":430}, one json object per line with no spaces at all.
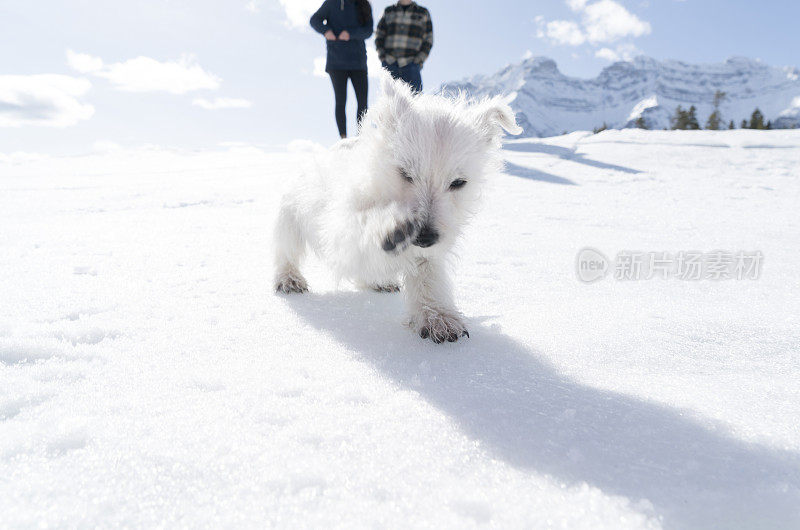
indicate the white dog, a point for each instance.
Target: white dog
{"x":388,"y":206}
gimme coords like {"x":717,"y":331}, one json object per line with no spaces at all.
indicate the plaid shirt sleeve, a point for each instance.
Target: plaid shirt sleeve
{"x":427,"y":41}
{"x":380,"y":38}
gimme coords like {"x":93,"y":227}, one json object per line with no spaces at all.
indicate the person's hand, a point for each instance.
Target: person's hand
{"x":329,"y":35}
{"x":344,"y":36}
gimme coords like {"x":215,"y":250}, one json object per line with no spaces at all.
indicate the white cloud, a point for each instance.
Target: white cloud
{"x":252,"y":6}
{"x":628,"y":51}
{"x":565,"y":32}
{"x":298,"y":12}
{"x":623,"y":52}
{"x":84,"y":63}
{"x":576,"y":5}
{"x":319,"y":66}
{"x":144,"y":74}
{"x":608,"y":21}
{"x":45,"y":100}
{"x":601,"y":22}
{"x":222,"y":103}
{"x":608,"y":54}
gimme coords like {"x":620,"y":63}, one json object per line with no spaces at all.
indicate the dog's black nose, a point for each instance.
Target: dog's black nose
{"x":426,"y":237}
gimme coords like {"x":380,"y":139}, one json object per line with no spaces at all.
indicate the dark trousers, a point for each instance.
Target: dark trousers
{"x":410,"y":73}
{"x":360,"y":86}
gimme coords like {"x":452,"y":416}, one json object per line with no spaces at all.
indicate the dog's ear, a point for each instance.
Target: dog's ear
{"x":398,"y":96}
{"x":493,"y":116}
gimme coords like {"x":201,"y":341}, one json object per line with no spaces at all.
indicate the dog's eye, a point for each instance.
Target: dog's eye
{"x":405,"y":175}
{"x":457,"y":183}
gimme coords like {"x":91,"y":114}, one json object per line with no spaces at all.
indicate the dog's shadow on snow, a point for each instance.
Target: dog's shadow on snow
{"x":501,"y":393}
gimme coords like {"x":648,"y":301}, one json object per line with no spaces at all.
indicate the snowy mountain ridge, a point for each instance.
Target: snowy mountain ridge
{"x":549,"y":103}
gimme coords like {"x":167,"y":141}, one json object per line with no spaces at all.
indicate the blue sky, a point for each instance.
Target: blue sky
{"x":89,"y":74}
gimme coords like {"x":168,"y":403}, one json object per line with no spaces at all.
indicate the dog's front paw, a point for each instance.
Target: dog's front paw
{"x":440,"y":327}
{"x":385,"y":288}
{"x":291,"y":282}
{"x":401,"y":237}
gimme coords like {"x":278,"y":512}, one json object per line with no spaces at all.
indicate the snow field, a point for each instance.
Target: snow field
{"x":149,"y":377}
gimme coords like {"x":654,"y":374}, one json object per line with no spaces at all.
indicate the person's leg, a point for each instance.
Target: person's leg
{"x":360,"y":82}
{"x":393,"y":69}
{"x":339,"y":82}
{"x":412,"y":75}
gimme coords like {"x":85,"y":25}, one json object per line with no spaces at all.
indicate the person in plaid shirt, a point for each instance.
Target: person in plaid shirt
{"x":404,"y":39}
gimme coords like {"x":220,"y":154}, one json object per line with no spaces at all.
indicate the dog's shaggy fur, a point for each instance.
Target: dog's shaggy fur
{"x":385,"y":209}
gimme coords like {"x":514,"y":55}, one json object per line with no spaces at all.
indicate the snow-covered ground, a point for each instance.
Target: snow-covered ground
{"x":150,"y":377}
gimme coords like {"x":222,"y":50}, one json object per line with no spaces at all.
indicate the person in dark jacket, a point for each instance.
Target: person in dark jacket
{"x":404,"y":39}
{"x":346,"y":24}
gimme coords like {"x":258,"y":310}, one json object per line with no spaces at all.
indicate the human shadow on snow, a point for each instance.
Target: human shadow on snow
{"x":522,"y":411}
{"x":536,"y":174}
{"x":566,"y":154}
